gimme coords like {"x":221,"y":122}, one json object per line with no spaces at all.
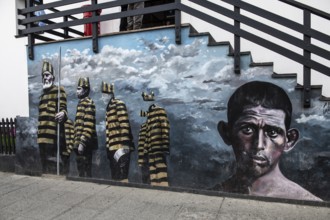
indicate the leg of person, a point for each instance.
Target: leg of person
{"x":124,"y":166}
{"x":65,"y":165}
{"x":113,"y":165}
{"x":88,"y":163}
{"x":137,"y":20}
{"x":145,"y":170}
{"x":130,"y":18}
{"x":80,"y":164}
{"x":158,"y":170}
{"x":43,"y":160}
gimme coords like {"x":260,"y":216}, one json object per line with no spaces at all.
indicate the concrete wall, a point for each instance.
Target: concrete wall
{"x":193,"y":83}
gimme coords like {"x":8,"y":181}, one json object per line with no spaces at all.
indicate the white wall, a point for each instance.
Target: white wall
{"x":13,"y":74}
{"x":13,"y":77}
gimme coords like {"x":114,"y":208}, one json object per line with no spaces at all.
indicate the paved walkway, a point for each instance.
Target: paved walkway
{"x":53,"y":197}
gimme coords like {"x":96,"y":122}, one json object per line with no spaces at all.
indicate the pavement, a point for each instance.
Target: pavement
{"x":55,"y":197}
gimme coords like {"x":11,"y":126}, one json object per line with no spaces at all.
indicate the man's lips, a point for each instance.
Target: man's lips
{"x":260,"y":160}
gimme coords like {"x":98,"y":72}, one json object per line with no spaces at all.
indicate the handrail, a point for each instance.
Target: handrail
{"x":304,"y":29}
{"x":307,"y":7}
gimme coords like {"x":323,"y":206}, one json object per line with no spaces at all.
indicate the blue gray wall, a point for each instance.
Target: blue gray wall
{"x":193,"y":82}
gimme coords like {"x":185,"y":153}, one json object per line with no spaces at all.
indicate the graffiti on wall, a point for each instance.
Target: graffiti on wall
{"x":173,"y":115}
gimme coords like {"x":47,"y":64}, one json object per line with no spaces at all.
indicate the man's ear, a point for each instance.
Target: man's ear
{"x":292,"y":137}
{"x":224,"y":132}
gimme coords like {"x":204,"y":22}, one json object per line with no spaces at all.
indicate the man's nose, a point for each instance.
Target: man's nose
{"x":260,"y":145}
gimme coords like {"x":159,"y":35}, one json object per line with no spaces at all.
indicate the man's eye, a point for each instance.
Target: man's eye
{"x":273,"y":133}
{"x":247,"y":130}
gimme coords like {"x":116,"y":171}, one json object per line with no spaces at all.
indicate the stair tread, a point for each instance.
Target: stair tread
{"x":255,"y":64}
{"x":324,"y":98}
{"x":284,"y":75}
{"x":299,"y":86}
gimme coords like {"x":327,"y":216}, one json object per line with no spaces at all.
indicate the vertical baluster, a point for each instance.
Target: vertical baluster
{"x":66,"y":29}
{"x":11,"y":135}
{"x":178,"y":24}
{"x":31,"y":39}
{"x":14,"y":134}
{"x":237,"y":45}
{"x":307,"y":55}
{"x":95,"y":30}
{"x":1,"y":133}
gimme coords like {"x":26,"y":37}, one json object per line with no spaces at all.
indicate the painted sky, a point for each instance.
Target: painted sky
{"x":192,"y":81}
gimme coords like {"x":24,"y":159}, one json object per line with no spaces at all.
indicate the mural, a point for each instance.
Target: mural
{"x":119,"y":138}
{"x":52,"y":115}
{"x":258,"y":128}
{"x":154,"y":141}
{"x":190,"y":86}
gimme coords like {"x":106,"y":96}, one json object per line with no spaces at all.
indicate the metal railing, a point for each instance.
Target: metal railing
{"x":304,"y":29}
{"x":7,"y":136}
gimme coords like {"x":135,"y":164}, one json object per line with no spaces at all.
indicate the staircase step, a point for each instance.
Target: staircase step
{"x":222,"y":43}
{"x":284,"y":75}
{"x":243,"y":53}
{"x":323,"y":98}
{"x":253,"y":64}
{"x":300,"y":87}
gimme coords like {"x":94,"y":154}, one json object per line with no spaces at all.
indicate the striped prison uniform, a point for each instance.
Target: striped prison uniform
{"x":141,"y":150}
{"x":85,"y":123}
{"x":143,"y":155}
{"x":157,"y":143}
{"x":69,"y":137}
{"x":48,"y":107}
{"x":118,"y":136}
{"x":47,"y":128}
{"x":85,"y":134}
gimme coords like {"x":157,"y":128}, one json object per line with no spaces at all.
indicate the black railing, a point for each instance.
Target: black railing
{"x":7,"y":136}
{"x":304,"y":29}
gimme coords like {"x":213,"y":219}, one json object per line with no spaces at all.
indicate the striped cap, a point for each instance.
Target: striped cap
{"x":107,"y":88}
{"x":83,"y":82}
{"x":148,"y":97}
{"x":47,"y":67}
{"x":143,"y":113}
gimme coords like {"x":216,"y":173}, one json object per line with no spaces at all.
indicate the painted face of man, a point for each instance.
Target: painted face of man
{"x":47,"y":80}
{"x":259,"y":137}
{"x":81,"y":92}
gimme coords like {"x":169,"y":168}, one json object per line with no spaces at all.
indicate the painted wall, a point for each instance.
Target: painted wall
{"x":193,"y":83}
{"x":17,"y":102}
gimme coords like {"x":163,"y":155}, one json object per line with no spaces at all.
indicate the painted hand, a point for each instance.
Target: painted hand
{"x":59,"y":116}
{"x":80,"y":148}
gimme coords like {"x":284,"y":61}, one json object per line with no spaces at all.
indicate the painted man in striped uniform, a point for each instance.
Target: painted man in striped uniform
{"x":143,"y":154}
{"x":155,"y":134}
{"x":85,"y":137}
{"x":119,"y":138}
{"x":49,"y":118}
{"x":158,"y":141}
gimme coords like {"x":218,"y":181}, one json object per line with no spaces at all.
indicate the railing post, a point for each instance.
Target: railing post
{"x":30,"y":36}
{"x":237,"y":45}
{"x":66,"y":30}
{"x":8,"y":151}
{"x":1,"y":134}
{"x":177,"y":23}
{"x":14,"y":135}
{"x":95,"y":30}
{"x":4,"y":136}
{"x":307,"y":56}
